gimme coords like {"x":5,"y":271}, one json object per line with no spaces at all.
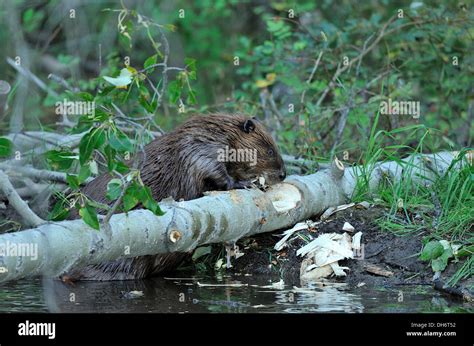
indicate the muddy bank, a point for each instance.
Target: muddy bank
{"x":395,"y":256}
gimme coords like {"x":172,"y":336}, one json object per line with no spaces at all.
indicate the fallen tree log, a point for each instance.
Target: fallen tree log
{"x":56,"y":247}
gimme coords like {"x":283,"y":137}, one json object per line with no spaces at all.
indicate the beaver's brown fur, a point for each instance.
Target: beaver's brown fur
{"x":183,"y":164}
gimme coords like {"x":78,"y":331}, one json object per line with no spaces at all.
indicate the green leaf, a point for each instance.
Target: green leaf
{"x":201,"y":251}
{"x":98,"y":205}
{"x":114,"y":189}
{"x":174,"y":90}
{"x":148,"y":107}
{"x":190,"y":64}
{"x":93,"y":168}
{"x":191,"y":97}
{"x":432,"y":250}
{"x":439,"y":264}
{"x":145,"y":196}
{"x":110,"y":155}
{"x":5,"y":147}
{"x":85,"y":96}
{"x":192,"y":75}
{"x":121,"y":167}
{"x":92,"y":140}
{"x":72,"y":181}
{"x":89,"y":215}
{"x":84,"y":173}
{"x":59,"y":211}
{"x":120,"y":142}
{"x":28,"y":15}
{"x":60,"y":160}
{"x":170,"y":27}
{"x":106,"y":90}
{"x":130,"y":199}
{"x":149,"y":62}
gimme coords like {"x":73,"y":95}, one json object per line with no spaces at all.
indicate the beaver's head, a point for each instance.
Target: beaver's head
{"x":256,"y":153}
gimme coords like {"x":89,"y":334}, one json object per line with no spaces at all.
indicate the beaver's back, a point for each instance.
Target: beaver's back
{"x":174,"y":164}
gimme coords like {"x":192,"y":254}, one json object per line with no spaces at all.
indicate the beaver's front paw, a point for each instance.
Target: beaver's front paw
{"x":242,"y":184}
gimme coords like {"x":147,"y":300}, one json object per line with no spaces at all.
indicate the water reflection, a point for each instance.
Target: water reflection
{"x":221,"y":295}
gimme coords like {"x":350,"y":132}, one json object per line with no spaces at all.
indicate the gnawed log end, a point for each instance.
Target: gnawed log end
{"x":284,"y":197}
{"x":337,"y":169}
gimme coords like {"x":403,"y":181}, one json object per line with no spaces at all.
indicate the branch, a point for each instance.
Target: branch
{"x":40,"y":174}
{"x":17,"y":203}
{"x":33,"y":189}
{"x":457,"y":291}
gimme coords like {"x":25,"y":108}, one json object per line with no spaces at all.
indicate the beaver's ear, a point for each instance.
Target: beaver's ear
{"x":248,"y":126}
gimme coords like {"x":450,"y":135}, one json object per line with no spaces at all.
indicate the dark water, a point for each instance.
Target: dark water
{"x":210,"y":294}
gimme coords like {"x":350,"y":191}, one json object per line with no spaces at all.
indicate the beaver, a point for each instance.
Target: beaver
{"x":185,"y":163}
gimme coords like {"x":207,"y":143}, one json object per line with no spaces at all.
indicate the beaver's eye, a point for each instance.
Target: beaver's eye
{"x":270,"y":152}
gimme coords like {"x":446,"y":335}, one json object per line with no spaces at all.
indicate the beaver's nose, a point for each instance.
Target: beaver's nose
{"x":282,"y":175}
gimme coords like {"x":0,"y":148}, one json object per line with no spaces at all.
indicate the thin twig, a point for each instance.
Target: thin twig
{"x":313,"y":72}
{"x":164,"y":80}
{"x":350,"y":104}
{"x":340,"y":70}
{"x":27,"y":73}
{"x":63,"y":82}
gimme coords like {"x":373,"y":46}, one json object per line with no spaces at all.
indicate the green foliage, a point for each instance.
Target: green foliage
{"x":432,"y":250}
{"x":201,"y":251}
{"x":61,"y":160}
{"x":420,"y":61}
{"x":60,"y":210}
{"x":5,"y":147}
{"x":88,"y":214}
{"x":438,"y":253}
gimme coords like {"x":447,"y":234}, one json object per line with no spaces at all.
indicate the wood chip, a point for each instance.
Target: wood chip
{"x":348,"y":227}
{"x":363,"y":204}
{"x":333,"y":210}
{"x":288,"y":233}
{"x":356,"y":241}
{"x":376,"y":270}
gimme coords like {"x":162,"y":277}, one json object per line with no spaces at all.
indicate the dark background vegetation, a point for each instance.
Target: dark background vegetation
{"x":412,"y":63}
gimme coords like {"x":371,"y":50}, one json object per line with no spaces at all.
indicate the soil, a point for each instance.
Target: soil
{"x":397,"y":254}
